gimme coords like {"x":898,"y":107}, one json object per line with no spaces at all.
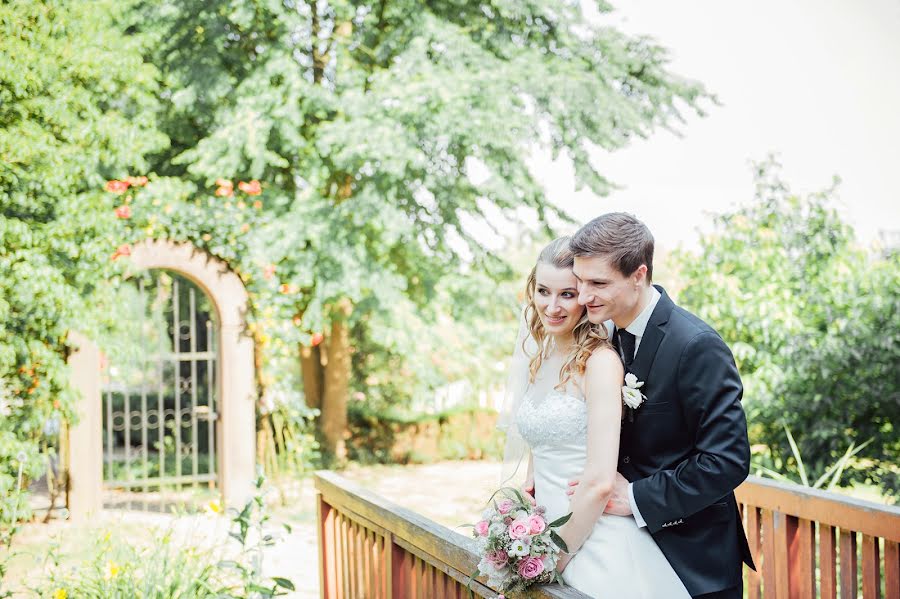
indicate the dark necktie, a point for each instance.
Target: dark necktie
{"x":626,"y":343}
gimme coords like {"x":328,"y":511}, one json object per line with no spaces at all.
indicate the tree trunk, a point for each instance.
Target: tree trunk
{"x":337,"y":383}
{"x":313,"y":372}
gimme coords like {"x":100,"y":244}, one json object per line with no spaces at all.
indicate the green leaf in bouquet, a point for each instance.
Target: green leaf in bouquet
{"x":558,"y":540}
{"x":560,"y":521}
{"x":469,"y":583}
{"x":283,"y":583}
{"x":520,"y":497}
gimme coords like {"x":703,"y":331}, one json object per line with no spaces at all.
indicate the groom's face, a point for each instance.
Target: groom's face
{"x":605,"y":292}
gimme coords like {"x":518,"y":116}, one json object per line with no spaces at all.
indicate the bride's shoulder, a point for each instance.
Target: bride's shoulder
{"x":604,"y":360}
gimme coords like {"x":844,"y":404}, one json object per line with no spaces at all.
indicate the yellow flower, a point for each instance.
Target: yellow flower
{"x":111,"y":570}
{"x":214,"y":507}
{"x":60,"y":594}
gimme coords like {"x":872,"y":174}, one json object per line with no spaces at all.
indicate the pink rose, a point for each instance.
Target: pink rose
{"x":530,"y":567}
{"x":482,"y":528}
{"x":498,"y":558}
{"x":505,"y":506}
{"x":518,"y":529}
{"x":536,"y":525}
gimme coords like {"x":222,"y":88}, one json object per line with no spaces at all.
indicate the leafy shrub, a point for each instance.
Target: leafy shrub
{"x":812,"y":320}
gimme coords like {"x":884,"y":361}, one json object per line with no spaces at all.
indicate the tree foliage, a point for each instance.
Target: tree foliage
{"x":383,"y":130}
{"x":813,"y":323}
{"x":76,"y":107}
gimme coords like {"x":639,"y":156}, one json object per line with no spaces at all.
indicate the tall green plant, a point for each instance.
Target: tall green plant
{"x":812,"y":320}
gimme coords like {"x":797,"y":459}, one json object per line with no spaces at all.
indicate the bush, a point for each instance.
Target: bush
{"x":173,"y":567}
{"x":812,"y":320}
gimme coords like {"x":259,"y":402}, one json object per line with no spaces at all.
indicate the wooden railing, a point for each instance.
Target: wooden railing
{"x":806,"y":543}
{"x":370,"y":548}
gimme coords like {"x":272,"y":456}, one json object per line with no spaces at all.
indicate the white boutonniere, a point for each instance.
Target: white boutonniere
{"x":631,"y":392}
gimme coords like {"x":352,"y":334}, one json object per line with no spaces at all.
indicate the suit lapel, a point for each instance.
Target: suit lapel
{"x":653,"y":336}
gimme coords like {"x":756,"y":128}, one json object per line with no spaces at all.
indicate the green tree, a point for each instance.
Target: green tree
{"x":77,"y":106}
{"x":812,"y":320}
{"x":382,"y":129}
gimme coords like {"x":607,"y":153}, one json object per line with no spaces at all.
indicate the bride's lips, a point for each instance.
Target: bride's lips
{"x":554,"y":321}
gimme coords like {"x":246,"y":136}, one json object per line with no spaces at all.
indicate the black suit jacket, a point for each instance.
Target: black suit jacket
{"x":686,"y":448}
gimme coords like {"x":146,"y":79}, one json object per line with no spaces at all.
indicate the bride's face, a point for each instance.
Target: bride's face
{"x":556,"y":299}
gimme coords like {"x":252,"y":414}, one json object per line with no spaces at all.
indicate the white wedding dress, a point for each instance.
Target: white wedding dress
{"x":618,"y":560}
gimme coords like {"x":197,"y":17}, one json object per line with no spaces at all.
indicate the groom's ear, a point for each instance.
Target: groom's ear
{"x":640,"y":275}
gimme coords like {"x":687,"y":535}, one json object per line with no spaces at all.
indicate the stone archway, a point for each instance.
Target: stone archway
{"x":236,"y":422}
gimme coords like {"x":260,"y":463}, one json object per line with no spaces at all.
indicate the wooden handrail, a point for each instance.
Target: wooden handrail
{"x":371,"y":547}
{"x":822,"y":506}
{"x":806,"y":543}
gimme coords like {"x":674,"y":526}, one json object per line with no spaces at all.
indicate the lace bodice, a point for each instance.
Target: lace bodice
{"x":557,"y":418}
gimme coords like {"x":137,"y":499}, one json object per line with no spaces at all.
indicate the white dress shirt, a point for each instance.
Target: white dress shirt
{"x":637,"y":328}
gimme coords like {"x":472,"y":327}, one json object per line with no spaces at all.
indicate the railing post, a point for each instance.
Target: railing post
{"x":327,"y":577}
{"x":827,"y":562}
{"x":801,"y":558}
{"x":753,"y":578}
{"x":871,"y":566}
{"x":848,"y":564}
{"x":891,"y":569}
{"x":401,"y":565}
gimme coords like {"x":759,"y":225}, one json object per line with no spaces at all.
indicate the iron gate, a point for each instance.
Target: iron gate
{"x":159,"y":394}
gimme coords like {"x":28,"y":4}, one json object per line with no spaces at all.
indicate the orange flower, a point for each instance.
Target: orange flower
{"x":245,"y":227}
{"x":269,"y":272}
{"x":252,"y":188}
{"x":225,"y":189}
{"x":123,"y":211}
{"x":257,"y":204}
{"x":116,"y":186}
{"x":316,"y":339}
{"x":136,"y":181}
{"x":122,"y":250}
{"x":286,"y":288}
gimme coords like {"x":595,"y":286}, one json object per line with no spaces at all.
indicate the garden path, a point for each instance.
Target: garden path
{"x":452,"y":493}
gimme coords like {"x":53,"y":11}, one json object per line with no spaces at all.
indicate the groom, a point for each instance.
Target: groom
{"x":685,"y":449}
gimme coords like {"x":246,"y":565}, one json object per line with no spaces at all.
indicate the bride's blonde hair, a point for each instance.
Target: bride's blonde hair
{"x":588,"y":337}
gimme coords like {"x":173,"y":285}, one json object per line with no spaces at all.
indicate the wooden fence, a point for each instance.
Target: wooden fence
{"x":370,"y":548}
{"x":806,"y":544}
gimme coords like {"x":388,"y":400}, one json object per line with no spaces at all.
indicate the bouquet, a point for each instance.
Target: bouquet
{"x":516,"y":544}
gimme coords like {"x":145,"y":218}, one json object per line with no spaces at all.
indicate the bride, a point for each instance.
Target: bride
{"x":564,"y":411}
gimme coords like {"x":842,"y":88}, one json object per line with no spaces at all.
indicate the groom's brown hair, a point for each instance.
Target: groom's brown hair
{"x":618,"y":237}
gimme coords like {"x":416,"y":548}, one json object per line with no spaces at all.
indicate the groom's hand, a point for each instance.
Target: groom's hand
{"x":528,"y":489}
{"x":618,"y":504}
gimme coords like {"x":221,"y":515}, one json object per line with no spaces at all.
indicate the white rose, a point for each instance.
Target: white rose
{"x":632,"y":397}
{"x":631,"y":381}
